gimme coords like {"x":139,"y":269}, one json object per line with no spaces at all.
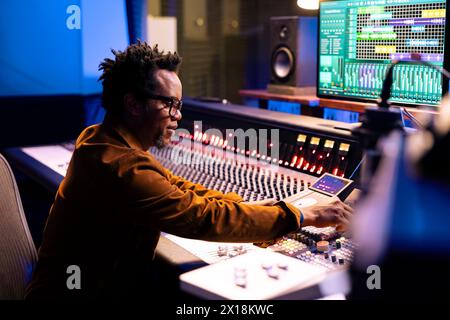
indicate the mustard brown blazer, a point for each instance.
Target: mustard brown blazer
{"x":112,"y":205}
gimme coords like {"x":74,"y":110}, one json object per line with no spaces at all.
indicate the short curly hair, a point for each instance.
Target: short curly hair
{"x":133,"y":71}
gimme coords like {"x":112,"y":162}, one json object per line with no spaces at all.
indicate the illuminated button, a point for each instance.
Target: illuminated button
{"x":344,"y":147}
{"x":315,"y":141}
{"x":301,"y":138}
{"x":329,"y":144}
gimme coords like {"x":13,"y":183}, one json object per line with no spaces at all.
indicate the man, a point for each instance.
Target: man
{"x":116,"y":198}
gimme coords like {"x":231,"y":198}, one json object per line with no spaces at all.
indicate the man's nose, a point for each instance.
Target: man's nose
{"x":177,"y":116}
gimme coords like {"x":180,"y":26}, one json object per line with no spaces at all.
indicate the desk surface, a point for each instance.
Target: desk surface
{"x":313,"y":100}
{"x":309,"y":100}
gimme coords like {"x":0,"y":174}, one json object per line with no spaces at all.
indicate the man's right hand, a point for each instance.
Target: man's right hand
{"x":334,"y":213}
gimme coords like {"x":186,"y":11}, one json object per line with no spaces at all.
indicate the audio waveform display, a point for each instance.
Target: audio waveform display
{"x":360,"y":38}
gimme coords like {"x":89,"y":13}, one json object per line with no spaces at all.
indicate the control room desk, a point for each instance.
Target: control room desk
{"x":312,"y":101}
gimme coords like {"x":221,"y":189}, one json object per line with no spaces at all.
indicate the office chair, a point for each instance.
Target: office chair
{"x":18,"y":254}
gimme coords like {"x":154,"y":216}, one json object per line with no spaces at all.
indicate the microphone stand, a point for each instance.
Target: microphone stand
{"x":381,"y":120}
{"x":377,"y":122}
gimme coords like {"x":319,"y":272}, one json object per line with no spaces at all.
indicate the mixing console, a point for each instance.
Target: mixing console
{"x":253,"y":181}
{"x":233,"y":174}
{"x":308,"y":246}
{"x":302,"y":144}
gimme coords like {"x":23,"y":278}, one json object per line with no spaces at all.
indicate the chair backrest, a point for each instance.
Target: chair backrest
{"x":18,"y":254}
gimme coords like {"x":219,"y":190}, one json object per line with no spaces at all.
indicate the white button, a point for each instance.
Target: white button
{"x":273,"y":273}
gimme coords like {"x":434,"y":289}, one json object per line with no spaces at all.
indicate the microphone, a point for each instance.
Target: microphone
{"x":386,"y":89}
{"x":377,"y":121}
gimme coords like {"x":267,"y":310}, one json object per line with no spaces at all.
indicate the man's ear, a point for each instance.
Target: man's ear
{"x":132,"y":106}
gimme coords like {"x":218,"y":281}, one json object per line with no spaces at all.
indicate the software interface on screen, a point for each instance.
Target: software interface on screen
{"x":359,"y":39}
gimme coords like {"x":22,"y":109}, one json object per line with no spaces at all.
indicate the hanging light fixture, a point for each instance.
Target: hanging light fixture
{"x":308,"y":4}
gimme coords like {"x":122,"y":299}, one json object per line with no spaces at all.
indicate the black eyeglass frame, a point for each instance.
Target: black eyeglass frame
{"x":173,"y":102}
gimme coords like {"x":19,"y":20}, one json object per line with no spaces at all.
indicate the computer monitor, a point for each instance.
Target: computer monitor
{"x":358,"y":39}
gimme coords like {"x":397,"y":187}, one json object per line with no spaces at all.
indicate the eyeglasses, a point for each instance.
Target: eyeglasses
{"x":173,"y":103}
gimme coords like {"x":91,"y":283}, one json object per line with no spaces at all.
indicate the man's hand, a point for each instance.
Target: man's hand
{"x":334,"y":213}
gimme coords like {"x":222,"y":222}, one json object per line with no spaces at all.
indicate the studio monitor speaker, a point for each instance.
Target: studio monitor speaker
{"x":293,"y":47}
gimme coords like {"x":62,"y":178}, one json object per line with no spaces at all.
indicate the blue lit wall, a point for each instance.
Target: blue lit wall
{"x":340,"y":115}
{"x":137,"y":19}
{"x":41,"y":56}
{"x":284,"y":106}
{"x":104,"y":26}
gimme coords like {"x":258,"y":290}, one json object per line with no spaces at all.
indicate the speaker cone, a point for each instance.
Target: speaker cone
{"x":283,"y":63}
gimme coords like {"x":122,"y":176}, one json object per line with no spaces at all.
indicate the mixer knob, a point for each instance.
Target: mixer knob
{"x":222,"y":251}
{"x":323,"y":246}
{"x":266,"y":265}
{"x":240,"y":271}
{"x":240,"y":282}
{"x":282,"y":265}
{"x":273,"y":273}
